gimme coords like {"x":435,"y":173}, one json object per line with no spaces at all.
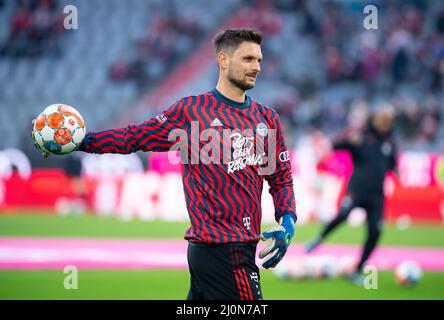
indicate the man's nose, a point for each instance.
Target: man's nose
{"x":257,"y":67}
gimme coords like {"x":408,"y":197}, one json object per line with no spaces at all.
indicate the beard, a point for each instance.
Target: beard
{"x":241,"y":84}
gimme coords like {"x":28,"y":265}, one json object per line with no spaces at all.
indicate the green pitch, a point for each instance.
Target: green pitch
{"x":173,"y":284}
{"x":37,"y":225}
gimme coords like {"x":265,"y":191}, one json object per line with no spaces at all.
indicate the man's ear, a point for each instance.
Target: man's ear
{"x":223,"y":60}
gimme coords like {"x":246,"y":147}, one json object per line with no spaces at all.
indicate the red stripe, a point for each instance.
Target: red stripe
{"x":240,"y":235}
{"x":248,"y":172}
{"x":145,"y":129}
{"x":249,"y":176}
{"x":211,"y":191}
{"x":181,"y":110}
{"x":251,"y":195}
{"x":257,"y":116}
{"x":285,"y":196}
{"x":191,"y":195}
{"x":237,"y":231}
{"x":176,"y":108}
{"x":115,"y":132}
{"x":125,"y":134}
{"x":220,"y":175}
{"x":256,"y":192}
{"x":236,"y":276}
{"x":202,"y":216}
{"x":186,"y":111}
{"x":169,"y":125}
{"x":242,"y":279}
{"x":101,"y":142}
{"x":195,"y":214}
{"x":242,"y":284}
{"x":147,"y":133}
{"x":195,"y":118}
{"x":154,"y":138}
{"x":248,"y":288}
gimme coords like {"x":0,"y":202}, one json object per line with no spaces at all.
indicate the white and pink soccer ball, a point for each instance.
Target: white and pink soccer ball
{"x":408,"y":273}
{"x":59,"y":129}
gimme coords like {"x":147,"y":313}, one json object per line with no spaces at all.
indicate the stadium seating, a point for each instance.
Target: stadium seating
{"x":80,"y":75}
{"x":295,"y":69}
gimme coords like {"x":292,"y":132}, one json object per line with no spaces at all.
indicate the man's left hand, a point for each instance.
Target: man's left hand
{"x":281,"y":235}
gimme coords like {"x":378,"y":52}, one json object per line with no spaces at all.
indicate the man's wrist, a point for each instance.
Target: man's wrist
{"x":288,"y":218}
{"x":288,"y":222}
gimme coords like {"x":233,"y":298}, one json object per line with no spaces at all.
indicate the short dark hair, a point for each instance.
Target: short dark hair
{"x":232,"y":38}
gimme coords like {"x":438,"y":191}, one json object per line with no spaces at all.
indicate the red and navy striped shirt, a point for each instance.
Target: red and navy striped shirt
{"x":223,"y":196}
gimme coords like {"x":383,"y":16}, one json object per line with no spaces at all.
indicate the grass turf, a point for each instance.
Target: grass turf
{"x":173,"y":284}
{"x":100,"y":227}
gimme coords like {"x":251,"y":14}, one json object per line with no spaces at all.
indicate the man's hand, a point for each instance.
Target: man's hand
{"x":281,"y":235}
{"x":43,"y":151}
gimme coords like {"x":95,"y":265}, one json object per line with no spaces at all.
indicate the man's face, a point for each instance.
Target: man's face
{"x":383,"y":120}
{"x":244,"y":65}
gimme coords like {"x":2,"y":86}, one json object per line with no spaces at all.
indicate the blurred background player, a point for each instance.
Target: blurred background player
{"x":373,"y":154}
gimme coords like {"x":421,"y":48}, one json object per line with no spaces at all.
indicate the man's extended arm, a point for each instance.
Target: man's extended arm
{"x":151,"y":135}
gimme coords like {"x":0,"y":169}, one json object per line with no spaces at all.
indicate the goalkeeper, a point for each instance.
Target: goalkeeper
{"x":223,"y":196}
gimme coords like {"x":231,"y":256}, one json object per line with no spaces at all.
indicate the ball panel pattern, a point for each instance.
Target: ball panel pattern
{"x":40,"y":122}
{"x":62,"y":136}
{"x":55,"y":120}
{"x":59,"y":129}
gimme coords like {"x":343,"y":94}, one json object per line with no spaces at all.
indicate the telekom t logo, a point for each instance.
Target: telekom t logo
{"x":247,"y":222}
{"x":254,"y":276}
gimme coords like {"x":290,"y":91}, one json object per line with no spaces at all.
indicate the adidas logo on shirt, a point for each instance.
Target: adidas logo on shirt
{"x":216,"y":123}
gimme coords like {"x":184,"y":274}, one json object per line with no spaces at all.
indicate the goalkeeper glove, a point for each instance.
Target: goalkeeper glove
{"x":43,"y":151}
{"x":281,"y":235}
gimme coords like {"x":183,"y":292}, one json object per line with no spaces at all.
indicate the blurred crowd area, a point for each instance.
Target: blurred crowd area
{"x":322,"y":70}
{"x":120,"y":50}
{"x":350,"y":71}
{"x":34,"y":29}
{"x":167,"y":38}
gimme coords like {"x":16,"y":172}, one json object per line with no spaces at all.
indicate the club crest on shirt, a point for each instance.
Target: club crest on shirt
{"x":262,"y":129}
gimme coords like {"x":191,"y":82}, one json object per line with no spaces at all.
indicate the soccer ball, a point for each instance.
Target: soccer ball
{"x":59,"y":129}
{"x":408,"y":273}
{"x":346,"y":265}
{"x":291,"y":269}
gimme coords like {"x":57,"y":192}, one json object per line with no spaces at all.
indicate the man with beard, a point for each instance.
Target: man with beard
{"x":373,"y":154}
{"x":223,"y":196}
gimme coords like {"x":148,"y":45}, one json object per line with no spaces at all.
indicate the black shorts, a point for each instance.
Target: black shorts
{"x":223,"y":272}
